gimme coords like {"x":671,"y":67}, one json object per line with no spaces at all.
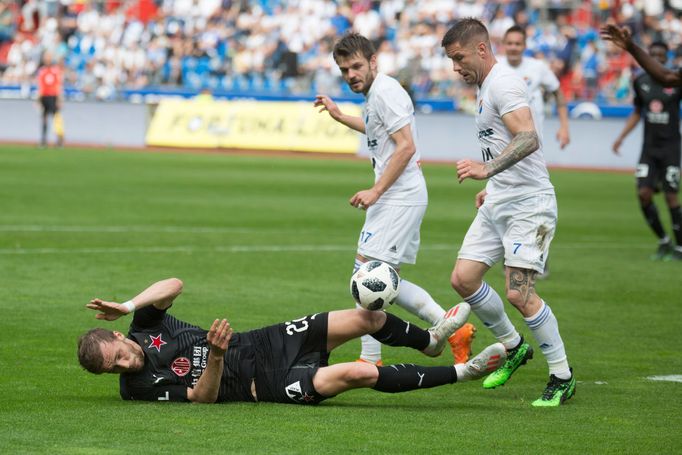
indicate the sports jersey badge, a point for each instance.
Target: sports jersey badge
{"x":180,"y":366}
{"x":156,"y":342}
{"x":656,"y":106}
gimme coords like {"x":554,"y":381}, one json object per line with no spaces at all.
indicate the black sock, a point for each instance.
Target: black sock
{"x":397,"y":332}
{"x":651,"y":215}
{"x":676,"y":218}
{"x":407,"y":376}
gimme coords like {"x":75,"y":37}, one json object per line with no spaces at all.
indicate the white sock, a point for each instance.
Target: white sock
{"x":419,"y":302}
{"x":489,"y":308}
{"x":371,"y":348}
{"x":545,"y":328}
{"x":462,"y":372}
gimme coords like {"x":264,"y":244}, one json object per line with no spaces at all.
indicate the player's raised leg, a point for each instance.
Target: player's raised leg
{"x":419,"y":302}
{"x":388,"y":329}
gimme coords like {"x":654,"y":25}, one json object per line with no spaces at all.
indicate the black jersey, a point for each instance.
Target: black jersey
{"x":660,"y":109}
{"x":176,"y":354}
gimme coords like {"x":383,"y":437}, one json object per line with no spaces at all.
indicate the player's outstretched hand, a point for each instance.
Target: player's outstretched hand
{"x":616,"y":146}
{"x":365,"y":198}
{"x":109,"y":311}
{"x":480,"y":198}
{"x":326,"y":104}
{"x":219,"y":336}
{"x":620,"y":36}
{"x":469,"y":169}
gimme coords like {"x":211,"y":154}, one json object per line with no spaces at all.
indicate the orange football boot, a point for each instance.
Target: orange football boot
{"x":460,"y":342}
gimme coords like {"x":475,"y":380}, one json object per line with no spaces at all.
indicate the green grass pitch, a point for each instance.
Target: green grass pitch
{"x":261,"y":239}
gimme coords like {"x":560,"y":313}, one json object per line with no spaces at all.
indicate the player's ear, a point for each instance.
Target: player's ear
{"x":118,"y":335}
{"x":373,"y":62}
{"x":481,"y":49}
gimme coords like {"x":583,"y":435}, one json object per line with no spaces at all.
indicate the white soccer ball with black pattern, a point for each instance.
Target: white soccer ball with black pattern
{"x":375,"y":285}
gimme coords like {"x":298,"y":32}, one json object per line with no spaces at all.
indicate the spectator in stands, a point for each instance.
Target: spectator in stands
{"x":7,"y":23}
{"x":271,"y":45}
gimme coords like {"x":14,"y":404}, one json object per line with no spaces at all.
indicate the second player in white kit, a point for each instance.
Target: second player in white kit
{"x":540,"y":80}
{"x":516,"y":215}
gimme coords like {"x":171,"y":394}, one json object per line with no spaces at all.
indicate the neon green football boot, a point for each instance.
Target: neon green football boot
{"x":515,"y":358}
{"x":556,"y":392}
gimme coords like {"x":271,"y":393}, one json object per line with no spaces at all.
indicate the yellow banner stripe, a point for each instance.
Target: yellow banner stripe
{"x":207,"y":123}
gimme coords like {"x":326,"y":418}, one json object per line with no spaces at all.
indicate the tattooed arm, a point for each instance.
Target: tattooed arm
{"x":524,"y":142}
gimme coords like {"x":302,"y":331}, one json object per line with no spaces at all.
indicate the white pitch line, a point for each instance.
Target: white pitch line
{"x":179,"y":249}
{"x":248,"y":249}
{"x":666,"y":378}
{"x":591,"y":242}
{"x":126,"y":229}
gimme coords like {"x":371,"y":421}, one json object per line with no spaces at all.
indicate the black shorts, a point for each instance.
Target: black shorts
{"x":287,"y":357}
{"x":659,"y":171}
{"x":49,"y":104}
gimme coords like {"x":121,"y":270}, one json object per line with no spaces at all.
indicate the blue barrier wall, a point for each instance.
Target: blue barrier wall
{"x":152,"y":95}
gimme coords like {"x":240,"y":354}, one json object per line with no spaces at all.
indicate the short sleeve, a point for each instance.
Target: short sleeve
{"x":548,"y":79}
{"x":147,"y":317}
{"x":131,"y":390}
{"x":394,"y":107}
{"x":509,"y":94}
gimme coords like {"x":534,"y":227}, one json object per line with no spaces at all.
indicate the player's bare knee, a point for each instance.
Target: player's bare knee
{"x":645,"y":195}
{"x":372,"y":320}
{"x":461,"y":284}
{"x":361,"y":375}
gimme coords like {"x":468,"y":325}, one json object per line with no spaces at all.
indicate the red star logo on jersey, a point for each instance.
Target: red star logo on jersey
{"x":157,"y":342}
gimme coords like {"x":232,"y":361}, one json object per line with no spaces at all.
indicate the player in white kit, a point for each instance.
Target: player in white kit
{"x":516,"y":213}
{"x":397,"y":202}
{"x":540,"y":80}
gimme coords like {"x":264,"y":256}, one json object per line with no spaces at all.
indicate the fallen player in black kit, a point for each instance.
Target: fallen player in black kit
{"x":165,"y":359}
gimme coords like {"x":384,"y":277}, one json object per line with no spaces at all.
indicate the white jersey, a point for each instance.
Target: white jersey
{"x":537,"y":75}
{"x":503,"y":92}
{"x":388,"y":109}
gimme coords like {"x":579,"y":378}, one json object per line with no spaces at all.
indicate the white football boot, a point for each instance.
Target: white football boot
{"x":487,"y":361}
{"x":455,"y":318}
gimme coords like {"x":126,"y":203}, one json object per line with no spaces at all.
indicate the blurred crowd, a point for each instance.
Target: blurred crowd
{"x":285,"y":45}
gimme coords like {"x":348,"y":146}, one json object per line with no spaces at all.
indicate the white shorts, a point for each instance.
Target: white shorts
{"x":519,"y":230}
{"x":391,"y":233}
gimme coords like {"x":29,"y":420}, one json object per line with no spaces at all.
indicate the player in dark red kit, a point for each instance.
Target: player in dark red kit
{"x":50,"y":85}
{"x":659,"y":163}
{"x":165,"y":359}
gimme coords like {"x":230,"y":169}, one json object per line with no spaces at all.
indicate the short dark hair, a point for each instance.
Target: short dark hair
{"x":464,"y":31}
{"x":90,"y":351}
{"x":353,"y":43}
{"x":516,"y":29}
{"x":662,"y":44}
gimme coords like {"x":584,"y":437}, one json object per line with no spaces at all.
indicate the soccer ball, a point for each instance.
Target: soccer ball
{"x":375,"y":285}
